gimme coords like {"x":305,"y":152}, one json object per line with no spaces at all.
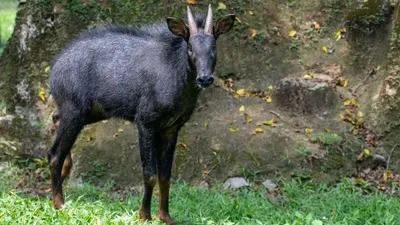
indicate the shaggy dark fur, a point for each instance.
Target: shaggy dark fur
{"x":149,"y":75}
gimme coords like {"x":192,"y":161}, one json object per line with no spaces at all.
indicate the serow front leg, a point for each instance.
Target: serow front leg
{"x":147,"y":147}
{"x":165,"y":157}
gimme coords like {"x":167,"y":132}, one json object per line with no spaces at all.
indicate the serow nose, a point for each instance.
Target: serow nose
{"x":205,"y":81}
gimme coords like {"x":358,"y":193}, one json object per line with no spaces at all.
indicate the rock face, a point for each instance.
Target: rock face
{"x":207,"y":149}
{"x":306,"y":97}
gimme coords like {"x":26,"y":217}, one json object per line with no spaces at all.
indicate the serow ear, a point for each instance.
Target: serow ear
{"x":224,"y":25}
{"x":178,"y":27}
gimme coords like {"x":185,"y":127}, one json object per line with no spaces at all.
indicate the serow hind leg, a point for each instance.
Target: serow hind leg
{"x":68,"y":130}
{"x":68,"y":160}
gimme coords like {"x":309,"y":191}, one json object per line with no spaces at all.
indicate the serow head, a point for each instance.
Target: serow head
{"x":201,"y":42}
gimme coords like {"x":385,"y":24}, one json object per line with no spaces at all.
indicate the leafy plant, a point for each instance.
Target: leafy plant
{"x":304,"y":151}
{"x":327,"y":139}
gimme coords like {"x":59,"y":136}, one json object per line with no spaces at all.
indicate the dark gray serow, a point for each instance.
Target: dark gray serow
{"x":151,"y":75}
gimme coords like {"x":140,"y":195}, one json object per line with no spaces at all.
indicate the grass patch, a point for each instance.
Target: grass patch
{"x":7,"y":19}
{"x":307,"y":203}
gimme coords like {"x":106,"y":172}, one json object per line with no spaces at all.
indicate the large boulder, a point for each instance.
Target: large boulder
{"x":306,"y":97}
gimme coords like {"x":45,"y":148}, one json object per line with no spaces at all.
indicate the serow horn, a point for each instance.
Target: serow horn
{"x":191,"y":23}
{"x":209,"y":21}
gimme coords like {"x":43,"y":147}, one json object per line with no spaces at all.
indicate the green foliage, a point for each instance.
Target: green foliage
{"x":366,"y":19}
{"x":98,"y":171}
{"x":327,"y":139}
{"x":7,"y":19}
{"x":3,"y":104}
{"x":304,"y":151}
{"x":88,"y":10}
{"x":258,"y":42}
{"x":335,"y":9}
{"x":45,"y":6}
{"x":308,"y":203}
{"x":295,"y":45}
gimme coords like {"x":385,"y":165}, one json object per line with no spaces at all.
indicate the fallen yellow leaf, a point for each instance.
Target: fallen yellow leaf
{"x":325,"y":49}
{"x":269,"y":99}
{"x":359,"y":180}
{"x":292,"y":33}
{"x":270,"y":88}
{"x":251,"y":12}
{"x":387,"y":174}
{"x":233,"y":130}
{"x":258,"y":130}
{"x":366,"y":152}
{"x":327,"y":130}
{"x":241,"y":92}
{"x":347,"y":102}
{"x":308,"y":76}
{"x":221,"y":6}
{"x":47,"y":69}
{"x":350,"y":102}
{"x":317,"y":26}
{"x":253,"y":33}
{"x":42,"y":94}
{"x":338,"y":35}
{"x":343,"y":82}
{"x":238,"y":20}
{"x":127,"y":122}
{"x":346,"y":83}
{"x":309,"y":130}
{"x":249,"y":120}
{"x":268,"y":122}
{"x":120,"y":130}
{"x":242,"y":108}
{"x":382,"y":188}
{"x":185,"y":146}
{"x":271,"y":123}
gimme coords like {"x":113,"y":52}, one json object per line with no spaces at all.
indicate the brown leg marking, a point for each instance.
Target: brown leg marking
{"x":145,"y":208}
{"x":163,"y":211}
{"x":58,"y":201}
{"x":66,"y":169}
{"x":57,"y":194}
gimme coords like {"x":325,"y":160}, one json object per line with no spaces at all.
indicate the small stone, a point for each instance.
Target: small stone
{"x":235,"y":183}
{"x":378,"y":160}
{"x":269,"y":185}
{"x":204,"y":184}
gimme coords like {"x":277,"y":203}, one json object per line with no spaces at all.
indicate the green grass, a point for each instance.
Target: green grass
{"x":7,"y":20}
{"x":303,"y":204}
